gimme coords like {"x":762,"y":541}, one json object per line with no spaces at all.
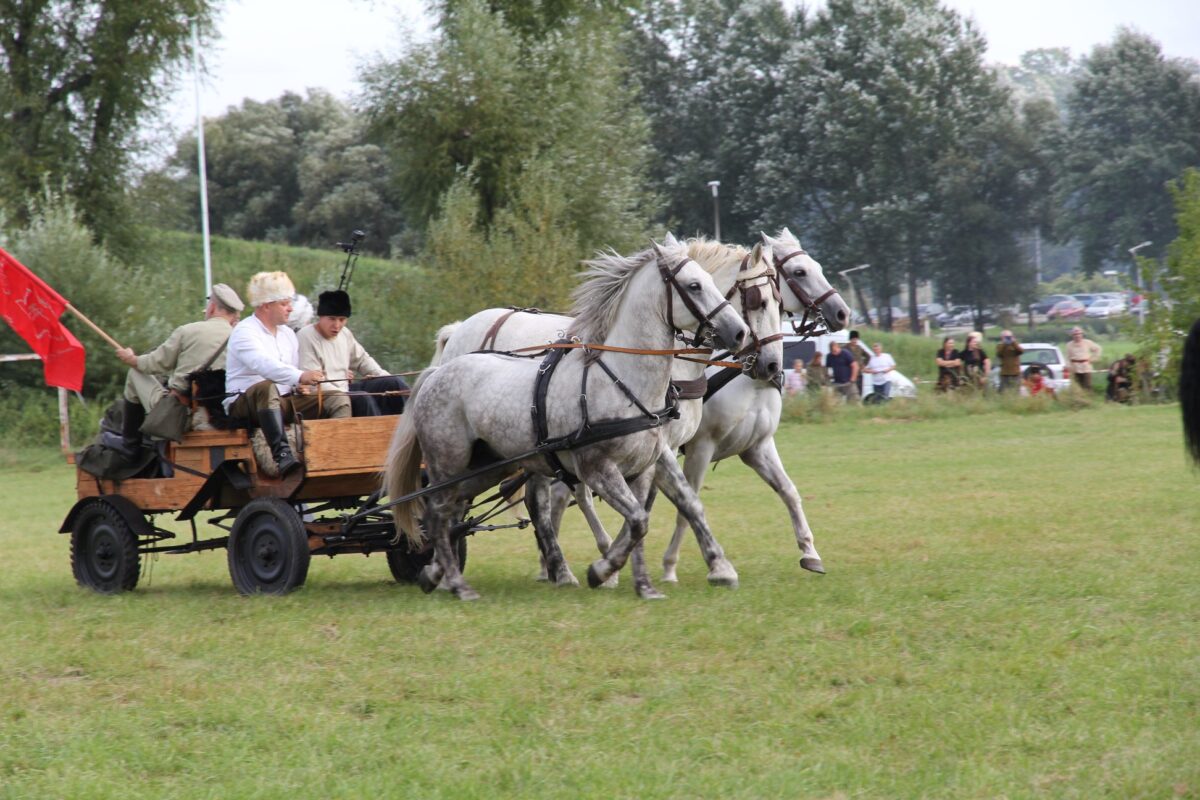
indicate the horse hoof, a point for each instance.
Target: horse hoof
{"x":542,"y":578}
{"x":812,"y":565}
{"x":466,"y":593}
{"x":611,"y":583}
{"x":722,"y":573}
{"x":566,"y":580}
{"x":670,"y":577}
{"x":426,"y":580}
{"x":650,"y":593}
{"x":598,"y":572}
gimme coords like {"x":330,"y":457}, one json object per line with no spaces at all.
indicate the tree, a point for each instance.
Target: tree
{"x":709,"y":75}
{"x":520,"y":153}
{"x":878,"y":95}
{"x":1043,"y":74}
{"x":77,"y":77}
{"x":1134,"y":125}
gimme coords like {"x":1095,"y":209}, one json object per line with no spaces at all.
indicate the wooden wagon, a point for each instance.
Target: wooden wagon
{"x":271,"y":527}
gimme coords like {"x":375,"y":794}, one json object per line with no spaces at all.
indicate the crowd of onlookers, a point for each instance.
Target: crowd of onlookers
{"x":842,"y":371}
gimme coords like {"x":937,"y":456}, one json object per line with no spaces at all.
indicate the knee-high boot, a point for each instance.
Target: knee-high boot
{"x":271,"y":422}
{"x":132,"y":417}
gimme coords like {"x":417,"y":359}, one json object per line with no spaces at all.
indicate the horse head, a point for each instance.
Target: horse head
{"x":693,"y":300}
{"x":802,"y":282}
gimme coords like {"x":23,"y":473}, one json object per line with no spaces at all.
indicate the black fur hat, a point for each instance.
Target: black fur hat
{"x":333,"y":304}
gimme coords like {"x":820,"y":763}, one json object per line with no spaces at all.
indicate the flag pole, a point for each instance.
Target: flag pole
{"x":203,"y":171}
{"x":94,"y":327}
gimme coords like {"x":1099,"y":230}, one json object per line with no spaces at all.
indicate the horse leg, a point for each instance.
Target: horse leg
{"x":699,"y":456}
{"x":583,"y":498}
{"x":637,"y":561}
{"x":763,"y":458}
{"x":628,"y":500}
{"x":538,"y":494}
{"x":443,"y":513}
{"x":674,"y":484}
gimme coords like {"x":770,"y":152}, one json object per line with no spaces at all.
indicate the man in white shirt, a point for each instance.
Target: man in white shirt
{"x":261,"y":373}
{"x":879,"y":368}
{"x":328,"y":345}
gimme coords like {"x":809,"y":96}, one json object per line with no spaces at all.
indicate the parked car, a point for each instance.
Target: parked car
{"x":948,"y":317}
{"x":1044,"y":305}
{"x":1087,"y":298}
{"x":1046,"y":356}
{"x":1105,"y":307}
{"x":1067,"y":309}
{"x":930,"y":310}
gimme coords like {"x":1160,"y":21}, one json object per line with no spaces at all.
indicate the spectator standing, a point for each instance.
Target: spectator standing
{"x":861,"y":354}
{"x":1081,"y":353}
{"x":818,"y":374}
{"x":1009,"y":352}
{"x":949,"y":364}
{"x":796,"y":378}
{"x":879,"y":367}
{"x":844,"y":368}
{"x":976,"y":364}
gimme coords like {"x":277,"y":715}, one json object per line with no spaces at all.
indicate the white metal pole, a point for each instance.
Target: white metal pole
{"x":200,"y":158}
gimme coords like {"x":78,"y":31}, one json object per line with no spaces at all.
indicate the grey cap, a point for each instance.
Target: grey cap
{"x":228,"y":296}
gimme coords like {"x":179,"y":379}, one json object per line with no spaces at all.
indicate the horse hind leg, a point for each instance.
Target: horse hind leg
{"x":584,"y":499}
{"x":442,"y":516}
{"x":637,"y":561}
{"x":629,"y":501}
{"x":538,"y":499}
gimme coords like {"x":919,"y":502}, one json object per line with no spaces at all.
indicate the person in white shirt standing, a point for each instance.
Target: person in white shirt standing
{"x":879,"y":368}
{"x":265,"y":384}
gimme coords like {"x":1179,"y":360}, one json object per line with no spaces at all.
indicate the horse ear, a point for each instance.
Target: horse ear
{"x":756,"y":252}
{"x":658,"y":253}
{"x":670,"y":240}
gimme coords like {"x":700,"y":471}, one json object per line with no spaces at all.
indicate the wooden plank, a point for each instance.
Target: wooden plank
{"x":148,"y":494}
{"x":342,"y":446}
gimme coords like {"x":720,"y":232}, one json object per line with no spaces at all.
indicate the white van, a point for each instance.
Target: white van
{"x":796,"y":347}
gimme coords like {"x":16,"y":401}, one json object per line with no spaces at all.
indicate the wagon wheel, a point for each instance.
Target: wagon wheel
{"x":406,"y":566}
{"x":104,"y":551}
{"x":268,"y":548}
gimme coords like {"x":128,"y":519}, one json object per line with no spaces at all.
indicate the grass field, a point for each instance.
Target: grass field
{"x":1011,"y":610}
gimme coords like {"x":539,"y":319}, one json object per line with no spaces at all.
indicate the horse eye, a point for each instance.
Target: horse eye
{"x":694,"y":286}
{"x":800,"y":273}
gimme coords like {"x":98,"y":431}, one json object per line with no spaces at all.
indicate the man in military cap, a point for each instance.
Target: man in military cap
{"x":186,"y":350}
{"x":262,"y":376}
{"x":328,"y":345}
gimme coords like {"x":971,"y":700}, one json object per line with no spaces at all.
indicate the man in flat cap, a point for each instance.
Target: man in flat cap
{"x":262,"y":376}
{"x":328,"y":345}
{"x":188,"y":349}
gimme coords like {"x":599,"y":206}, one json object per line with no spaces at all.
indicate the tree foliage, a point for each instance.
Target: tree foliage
{"x":1134,"y":126}
{"x":76,"y":79}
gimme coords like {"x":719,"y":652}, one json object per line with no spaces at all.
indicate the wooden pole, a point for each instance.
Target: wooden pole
{"x":94,"y":327}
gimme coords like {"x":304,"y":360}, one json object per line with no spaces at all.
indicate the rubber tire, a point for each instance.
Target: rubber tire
{"x":268,"y":548}
{"x":104,"y":550}
{"x":406,"y":567}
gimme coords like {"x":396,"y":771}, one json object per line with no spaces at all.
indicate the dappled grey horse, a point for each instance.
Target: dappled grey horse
{"x":472,"y":414}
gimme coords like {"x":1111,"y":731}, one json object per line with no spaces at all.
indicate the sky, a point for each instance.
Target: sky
{"x":268,"y":47}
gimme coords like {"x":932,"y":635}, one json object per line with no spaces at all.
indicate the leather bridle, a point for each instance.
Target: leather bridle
{"x":818,"y":326}
{"x":705,"y":329}
{"x":749,"y":285}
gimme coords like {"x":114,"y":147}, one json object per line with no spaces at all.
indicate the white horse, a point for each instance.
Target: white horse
{"x":741,"y":419}
{"x":748,"y":281}
{"x":472,"y":415}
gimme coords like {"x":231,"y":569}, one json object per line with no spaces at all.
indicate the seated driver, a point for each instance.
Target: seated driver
{"x":329,"y":346}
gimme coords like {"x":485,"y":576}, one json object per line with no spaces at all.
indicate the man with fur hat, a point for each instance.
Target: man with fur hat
{"x":189,"y":348}
{"x":265,"y":384}
{"x":328,"y":345}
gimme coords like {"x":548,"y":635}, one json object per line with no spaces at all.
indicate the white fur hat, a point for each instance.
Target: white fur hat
{"x":267,"y":287}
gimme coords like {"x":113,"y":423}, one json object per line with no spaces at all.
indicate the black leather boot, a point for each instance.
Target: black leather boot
{"x":271,"y":422}
{"x":132,"y":417}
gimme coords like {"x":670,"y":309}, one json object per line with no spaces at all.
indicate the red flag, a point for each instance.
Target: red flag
{"x":32,"y":309}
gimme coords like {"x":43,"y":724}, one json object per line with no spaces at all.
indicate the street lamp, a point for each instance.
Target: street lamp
{"x":1137,"y":279}
{"x":845,"y":273}
{"x":715,"y":185}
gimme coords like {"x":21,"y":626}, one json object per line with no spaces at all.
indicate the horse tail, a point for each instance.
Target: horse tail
{"x":443,"y":338}
{"x":1189,"y":392}
{"x":402,"y":474}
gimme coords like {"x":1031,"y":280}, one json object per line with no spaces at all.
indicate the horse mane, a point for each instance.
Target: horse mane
{"x":597,"y":299}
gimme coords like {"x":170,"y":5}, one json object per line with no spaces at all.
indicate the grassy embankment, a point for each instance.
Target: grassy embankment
{"x":1010,"y":611}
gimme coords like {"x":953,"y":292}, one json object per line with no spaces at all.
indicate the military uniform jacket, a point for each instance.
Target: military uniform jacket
{"x":186,"y":350}
{"x":336,"y":357}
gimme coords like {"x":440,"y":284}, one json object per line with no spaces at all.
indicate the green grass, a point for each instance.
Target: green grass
{"x":1010,"y":611}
